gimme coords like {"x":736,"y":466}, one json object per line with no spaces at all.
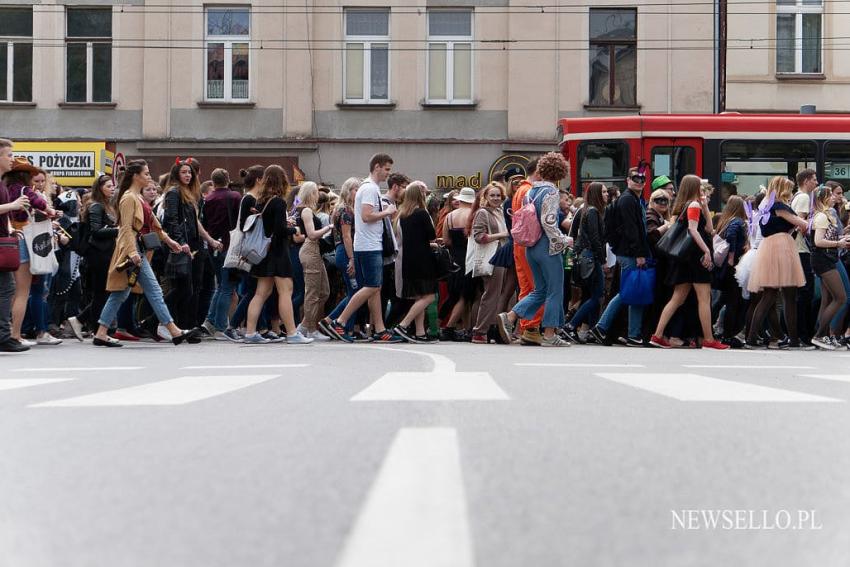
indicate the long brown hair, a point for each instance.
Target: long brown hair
{"x":481,"y":202}
{"x":734,"y":209}
{"x":689,"y":190}
{"x":97,"y":196}
{"x":188,"y":193}
{"x":132,"y":169}
{"x":274,"y":183}
{"x":593,"y":196}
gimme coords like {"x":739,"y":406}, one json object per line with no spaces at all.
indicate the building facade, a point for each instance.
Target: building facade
{"x":453,"y":89}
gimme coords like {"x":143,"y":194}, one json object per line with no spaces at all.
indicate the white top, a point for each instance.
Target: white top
{"x":801,"y":205}
{"x":367,"y":236}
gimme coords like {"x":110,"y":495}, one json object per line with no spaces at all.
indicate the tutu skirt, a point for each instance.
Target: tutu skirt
{"x":776,"y":265}
{"x":744,"y":269}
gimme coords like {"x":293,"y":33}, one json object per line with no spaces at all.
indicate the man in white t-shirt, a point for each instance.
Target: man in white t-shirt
{"x":369,"y":215}
{"x":807,"y":182}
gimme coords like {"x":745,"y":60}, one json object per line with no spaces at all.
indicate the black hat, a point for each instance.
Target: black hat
{"x":513,"y":170}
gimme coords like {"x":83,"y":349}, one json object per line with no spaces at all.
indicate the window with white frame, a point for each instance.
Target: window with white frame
{"x":228,"y":36}
{"x":367,"y":56}
{"x":16,"y":54}
{"x":449,"y":56}
{"x":799,"y":36}
{"x":88,"y":55}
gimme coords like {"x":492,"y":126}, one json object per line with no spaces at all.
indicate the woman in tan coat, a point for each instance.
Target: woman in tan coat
{"x":135,"y":219}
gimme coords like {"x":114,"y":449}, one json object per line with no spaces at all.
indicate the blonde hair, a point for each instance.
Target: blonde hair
{"x":782,"y":186}
{"x":308,"y":195}
{"x":414,"y":198}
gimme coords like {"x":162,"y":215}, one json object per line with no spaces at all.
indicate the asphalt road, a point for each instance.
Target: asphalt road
{"x":450,"y":455}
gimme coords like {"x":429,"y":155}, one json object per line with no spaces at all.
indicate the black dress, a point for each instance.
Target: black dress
{"x":691,"y":270}
{"x":276,"y":263}
{"x":418,"y":268}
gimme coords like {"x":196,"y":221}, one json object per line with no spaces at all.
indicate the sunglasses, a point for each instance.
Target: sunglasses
{"x":661,"y":201}
{"x":638,"y":178}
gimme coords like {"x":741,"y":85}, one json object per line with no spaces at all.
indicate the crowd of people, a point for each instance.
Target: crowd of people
{"x":258,"y":261}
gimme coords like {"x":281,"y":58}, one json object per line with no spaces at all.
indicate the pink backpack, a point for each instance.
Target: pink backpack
{"x":526,"y":229}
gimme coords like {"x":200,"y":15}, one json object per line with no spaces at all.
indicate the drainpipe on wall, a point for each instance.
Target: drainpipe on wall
{"x":721,"y":54}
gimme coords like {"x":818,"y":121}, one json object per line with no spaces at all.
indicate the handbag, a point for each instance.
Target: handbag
{"x":178,"y":265}
{"x":637,"y":285}
{"x":585,"y":266}
{"x":677,"y":243}
{"x":150,"y":241}
{"x":234,"y":257}
{"x":387,"y":243}
{"x":10,"y":256}
{"x":38,"y":236}
{"x":445,"y":264}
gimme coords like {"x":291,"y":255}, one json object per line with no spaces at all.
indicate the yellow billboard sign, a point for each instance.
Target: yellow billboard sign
{"x":72,"y":164}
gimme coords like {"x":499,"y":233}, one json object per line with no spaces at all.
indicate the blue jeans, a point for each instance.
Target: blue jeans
{"x":588,"y":312}
{"x":369,"y":268}
{"x":220,"y":303}
{"x":837,"y":321}
{"x":37,"y":310}
{"x":548,"y":274}
{"x":247,"y":287}
{"x":635,"y":311}
{"x":153,"y":293}
{"x":341,"y":261}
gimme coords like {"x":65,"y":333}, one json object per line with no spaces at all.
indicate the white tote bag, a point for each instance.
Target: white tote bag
{"x":234,"y":257}
{"x":478,"y":257}
{"x":38,"y":236}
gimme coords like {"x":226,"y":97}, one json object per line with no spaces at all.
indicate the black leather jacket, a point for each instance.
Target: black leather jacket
{"x":103,"y":228}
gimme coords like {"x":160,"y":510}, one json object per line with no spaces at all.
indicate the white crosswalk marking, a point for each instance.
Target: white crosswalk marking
{"x":15,"y":383}
{"x":176,"y":391}
{"x":239,"y":366}
{"x":415,"y":514}
{"x":576,"y":365}
{"x":78,"y":369}
{"x":696,"y":388}
{"x":748,"y":366}
{"x":834,"y":377}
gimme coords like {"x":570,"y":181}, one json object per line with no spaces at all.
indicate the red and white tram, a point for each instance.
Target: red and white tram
{"x":730,"y":148}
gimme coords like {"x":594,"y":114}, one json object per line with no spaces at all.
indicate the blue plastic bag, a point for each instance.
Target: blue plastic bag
{"x":637,"y":285}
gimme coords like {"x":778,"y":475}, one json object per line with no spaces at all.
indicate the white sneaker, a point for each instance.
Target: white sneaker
{"x":298,"y":339}
{"x":208,"y":328}
{"x":255,"y":339}
{"x":48,"y":339}
{"x":27,"y":342}
{"x":163,"y":333}
{"x":76,"y":328}
{"x":318,"y":336}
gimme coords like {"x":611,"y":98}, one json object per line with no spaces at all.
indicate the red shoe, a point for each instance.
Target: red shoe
{"x":659,"y":342}
{"x":479,"y":339}
{"x":715,"y":344}
{"x":125,"y":336}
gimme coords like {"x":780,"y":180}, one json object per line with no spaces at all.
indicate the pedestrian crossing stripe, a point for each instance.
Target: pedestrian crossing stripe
{"x":177,"y":391}
{"x":833,"y":377}
{"x":15,"y":383}
{"x":697,"y":388}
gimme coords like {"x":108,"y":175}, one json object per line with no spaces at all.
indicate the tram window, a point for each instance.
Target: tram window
{"x":837,"y":163}
{"x":674,"y":161}
{"x":603,"y":161}
{"x":753,"y":162}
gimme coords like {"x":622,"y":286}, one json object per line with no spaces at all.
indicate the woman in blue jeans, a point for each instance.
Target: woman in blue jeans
{"x":343,"y":223}
{"x":590,"y":247}
{"x":135,"y":219}
{"x":545,"y":258}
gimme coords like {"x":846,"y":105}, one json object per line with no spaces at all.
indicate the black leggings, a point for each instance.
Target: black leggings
{"x":731,"y":297}
{"x":767,"y":302}
{"x":832,"y":298}
{"x":183,"y":296}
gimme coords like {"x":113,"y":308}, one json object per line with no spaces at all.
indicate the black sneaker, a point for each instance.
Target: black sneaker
{"x":598,"y":335}
{"x":754,"y":344}
{"x":12,"y":345}
{"x":734,"y":343}
{"x":799,"y":345}
{"x":324,"y":326}
{"x":631,"y":342}
{"x":447,"y":334}
{"x":361,"y":337}
{"x":338,"y":331}
{"x":403,"y":333}
{"x":386,"y":337}
{"x":425,"y":339}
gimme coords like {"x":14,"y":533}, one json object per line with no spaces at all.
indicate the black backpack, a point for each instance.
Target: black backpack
{"x":80,"y":233}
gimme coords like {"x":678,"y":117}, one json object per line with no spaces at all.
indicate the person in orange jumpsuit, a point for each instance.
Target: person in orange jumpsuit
{"x":530,"y":327}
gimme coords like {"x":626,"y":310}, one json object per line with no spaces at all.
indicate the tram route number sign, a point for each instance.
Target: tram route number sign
{"x":837,"y":170}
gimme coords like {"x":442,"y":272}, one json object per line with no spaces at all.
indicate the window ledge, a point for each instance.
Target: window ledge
{"x":215,"y":104}
{"x":92,"y":105}
{"x":800,"y":77}
{"x":449,"y":105}
{"x":17,"y":105}
{"x":366,"y":105}
{"x":610,"y":108}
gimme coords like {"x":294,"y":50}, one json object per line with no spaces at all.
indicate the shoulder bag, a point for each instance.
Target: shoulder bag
{"x":677,"y":243}
{"x":255,"y":244}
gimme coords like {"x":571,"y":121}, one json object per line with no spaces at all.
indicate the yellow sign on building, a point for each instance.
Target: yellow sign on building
{"x":72,"y":164}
